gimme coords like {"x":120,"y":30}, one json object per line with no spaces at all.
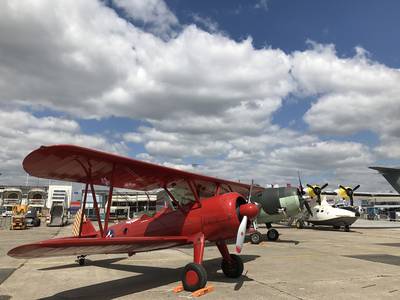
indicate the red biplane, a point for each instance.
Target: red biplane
{"x":219,"y":210}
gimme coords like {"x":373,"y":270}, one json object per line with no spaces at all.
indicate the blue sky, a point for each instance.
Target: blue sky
{"x":244,"y":89}
{"x":287,"y":24}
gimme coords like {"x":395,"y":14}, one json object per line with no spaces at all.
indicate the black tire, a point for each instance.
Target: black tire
{"x":336,"y":227}
{"x":234,"y":268}
{"x":194,"y":277}
{"x":299,"y":224}
{"x":255,"y":237}
{"x":272,"y":235}
{"x":81,"y":261}
{"x":347,"y":228}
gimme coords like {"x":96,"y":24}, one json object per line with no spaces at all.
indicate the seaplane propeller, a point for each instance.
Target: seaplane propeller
{"x":350,"y":192}
{"x":317,"y":190}
{"x":301,"y":193}
{"x":246,"y":211}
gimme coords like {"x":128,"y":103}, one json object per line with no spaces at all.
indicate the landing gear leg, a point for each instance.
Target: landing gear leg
{"x":232,"y":265}
{"x":299,"y":224}
{"x":255,"y":237}
{"x":269,"y":225}
{"x":81,"y":260}
{"x":194,"y":275}
{"x":347,"y":228}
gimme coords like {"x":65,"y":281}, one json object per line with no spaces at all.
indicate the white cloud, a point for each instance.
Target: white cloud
{"x":153,"y":13}
{"x":203,"y":95}
{"x":354,"y":94}
{"x":21,"y":132}
{"x":206,"y":22}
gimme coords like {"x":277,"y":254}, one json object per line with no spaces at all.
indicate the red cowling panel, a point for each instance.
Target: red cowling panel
{"x":87,"y":246}
{"x":77,"y":164}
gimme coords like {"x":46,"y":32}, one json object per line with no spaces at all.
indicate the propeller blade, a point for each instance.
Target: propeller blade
{"x":356,"y":187}
{"x":310,"y":186}
{"x":300,"y":184}
{"x":351,"y":201}
{"x":342,"y":187}
{"x":241,"y":234}
{"x":324,"y":186}
{"x":308,"y":207}
{"x":250,"y":192}
{"x":319,"y":198}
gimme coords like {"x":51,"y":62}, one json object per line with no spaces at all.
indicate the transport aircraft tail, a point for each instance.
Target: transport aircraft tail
{"x":392,"y":175}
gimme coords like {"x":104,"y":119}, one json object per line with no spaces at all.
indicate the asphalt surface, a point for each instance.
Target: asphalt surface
{"x":303,"y":264}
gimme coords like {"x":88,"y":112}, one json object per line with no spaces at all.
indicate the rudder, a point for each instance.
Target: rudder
{"x":87,"y":227}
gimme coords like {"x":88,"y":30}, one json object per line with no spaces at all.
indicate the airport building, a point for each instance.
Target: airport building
{"x":125,"y":203}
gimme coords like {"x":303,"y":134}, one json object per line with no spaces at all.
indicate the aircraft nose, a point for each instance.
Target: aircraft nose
{"x":250,"y":210}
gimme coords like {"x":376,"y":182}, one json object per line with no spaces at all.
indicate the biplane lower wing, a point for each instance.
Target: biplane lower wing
{"x":88,"y":246}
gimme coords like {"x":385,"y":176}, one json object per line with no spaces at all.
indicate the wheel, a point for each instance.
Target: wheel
{"x":336,"y":227}
{"x":255,"y":237}
{"x":272,"y":234}
{"x":299,"y":224}
{"x":234,"y":268}
{"x":194,"y":277}
{"x":81,"y":260}
{"x":347,"y":228}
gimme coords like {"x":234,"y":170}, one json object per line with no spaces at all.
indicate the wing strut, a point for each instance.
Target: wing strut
{"x":194,"y":192}
{"x":173,"y":198}
{"x":96,"y":207}
{"x":83,"y":209}
{"x":109,"y":200}
{"x":217,"y":189}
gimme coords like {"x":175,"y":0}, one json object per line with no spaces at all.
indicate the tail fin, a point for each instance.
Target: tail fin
{"x":392,"y":175}
{"x":87,"y":226}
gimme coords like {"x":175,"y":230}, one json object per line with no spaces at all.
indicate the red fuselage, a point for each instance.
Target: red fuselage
{"x":217,"y":218}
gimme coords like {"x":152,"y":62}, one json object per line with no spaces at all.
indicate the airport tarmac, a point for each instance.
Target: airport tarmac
{"x":303,"y":264}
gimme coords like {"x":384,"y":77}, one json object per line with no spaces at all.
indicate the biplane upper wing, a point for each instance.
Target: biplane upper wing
{"x":78,"y":164}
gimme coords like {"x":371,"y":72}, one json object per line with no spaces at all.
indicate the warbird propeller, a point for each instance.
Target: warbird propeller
{"x":278,"y":204}
{"x":218,"y":212}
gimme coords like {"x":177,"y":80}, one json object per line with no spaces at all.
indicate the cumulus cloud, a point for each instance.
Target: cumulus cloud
{"x":153,"y":13}
{"x":203,"y":95}
{"x":22,"y":132}
{"x":353,"y":94}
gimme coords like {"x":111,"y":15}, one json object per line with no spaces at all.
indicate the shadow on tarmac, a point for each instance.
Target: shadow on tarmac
{"x":149,"y":278}
{"x":378,"y":258}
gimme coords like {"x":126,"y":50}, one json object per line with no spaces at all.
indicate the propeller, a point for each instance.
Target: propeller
{"x":301,"y":193}
{"x":350,"y":192}
{"x":247,"y":211}
{"x":317,"y":191}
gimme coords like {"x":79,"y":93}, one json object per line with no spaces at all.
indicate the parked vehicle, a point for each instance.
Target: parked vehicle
{"x":31,"y":217}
